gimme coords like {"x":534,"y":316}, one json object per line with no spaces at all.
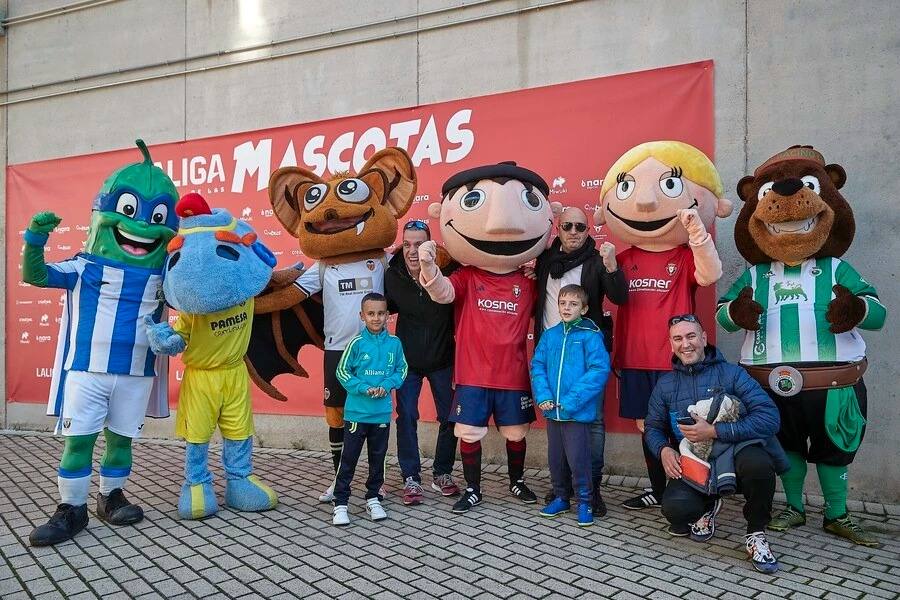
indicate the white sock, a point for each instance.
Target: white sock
{"x":73,"y":491}
{"x":108,"y":484}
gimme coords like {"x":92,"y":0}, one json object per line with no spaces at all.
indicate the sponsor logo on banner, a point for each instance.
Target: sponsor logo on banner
{"x":421,"y":198}
{"x":24,"y":338}
{"x":267,"y":212}
{"x":46,"y":301}
{"x":272,"y":232}
{"x":558,"y":186}
{"x":43,"y":372}
{"x":21,"y":302}
{"x":44,"y":338}
{"x":591,"y":184}
{"x":25,"y":319}
{"x":45,"y":320}
{"x":246,"y":213}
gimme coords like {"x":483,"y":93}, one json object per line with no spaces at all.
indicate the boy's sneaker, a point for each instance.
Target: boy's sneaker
{"x":412,"y":492}
{"x":671,"y":530}
{"x":705,"y":527}
{"x":375,"y":510}
{"x":470,"y":498}
{"x":646,"y":500}
{"x":445,"y":485}
{"x":585,"y":514}
{"x":555,"y":507}
{"x":789,"y":517}
{"x":340,"y":516}
{"x":760,"y":554}
{"x":521,"y":491}
{"x":328,"y":495}
{"x":849,"y":529}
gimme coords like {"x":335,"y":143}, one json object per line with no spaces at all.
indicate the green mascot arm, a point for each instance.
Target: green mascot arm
{"x":34,"y":269}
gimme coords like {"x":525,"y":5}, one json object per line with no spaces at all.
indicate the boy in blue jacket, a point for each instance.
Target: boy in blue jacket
{"x":371,"y":367}
{"x":568,"y":374}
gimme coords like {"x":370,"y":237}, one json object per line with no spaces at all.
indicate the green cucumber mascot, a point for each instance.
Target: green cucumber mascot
{"x":802,"y":308}
{"x":105,"y":372}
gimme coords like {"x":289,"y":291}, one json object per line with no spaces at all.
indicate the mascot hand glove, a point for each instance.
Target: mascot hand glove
{"x":163,"y":339}
{"x":846,"y":311}
{"x":691,"y":221}
{"x":608,"y":253}
{"x":744,"y":311}
{"x":40,"y":227}
{"x":427,"y":254}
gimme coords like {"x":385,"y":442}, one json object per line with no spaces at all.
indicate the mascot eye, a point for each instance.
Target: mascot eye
{"x":127,"y":205}
{"x":624,"y":187}
{"x":314,"y":195}
{"x":160,"y":213}
{"x":353,"y":190}
{"x":531,"y":200}
{"x":811,"y":182}
{"x":472,"y":200}
{"x":764,"y":189}
{"x":671,"y":186}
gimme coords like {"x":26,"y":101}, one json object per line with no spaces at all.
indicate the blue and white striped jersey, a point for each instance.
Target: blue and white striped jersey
{"x":102,"y":327}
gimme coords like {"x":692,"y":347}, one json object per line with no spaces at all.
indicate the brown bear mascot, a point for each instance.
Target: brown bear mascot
{"x":801,"y":306}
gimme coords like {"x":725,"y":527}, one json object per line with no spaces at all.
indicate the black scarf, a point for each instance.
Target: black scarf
{"x":560,"y":262}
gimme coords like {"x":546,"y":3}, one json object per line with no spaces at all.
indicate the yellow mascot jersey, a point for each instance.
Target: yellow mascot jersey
{"x":218,"y":339}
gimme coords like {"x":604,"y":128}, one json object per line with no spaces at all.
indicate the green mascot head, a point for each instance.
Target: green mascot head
{"x":134,"y":215}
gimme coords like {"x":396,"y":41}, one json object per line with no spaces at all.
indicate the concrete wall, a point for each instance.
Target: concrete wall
{"x":815,"y":72}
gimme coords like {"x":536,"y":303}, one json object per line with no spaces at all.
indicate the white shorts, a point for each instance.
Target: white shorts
{"x":93,"y":401}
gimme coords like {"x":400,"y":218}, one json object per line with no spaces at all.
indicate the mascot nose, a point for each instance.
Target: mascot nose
{"x":331,"y":214}
{"x":787,"y":187}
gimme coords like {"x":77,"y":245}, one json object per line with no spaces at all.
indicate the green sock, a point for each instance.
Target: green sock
{"x":793,"y":480}
{"x":834,"y":487}
{"x":115,"y":466}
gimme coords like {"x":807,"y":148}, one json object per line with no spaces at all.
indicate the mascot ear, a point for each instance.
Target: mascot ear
{"x":724,"y":207}
{"x":556,"y":208}
{"x":434,"y":210}
{"x":837,"y":174}
{"x":283,"y":186}
{"x":745,"y":188}
{"x":398,"y":171}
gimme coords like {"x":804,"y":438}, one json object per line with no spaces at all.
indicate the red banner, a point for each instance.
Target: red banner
{"x":570,"y":133}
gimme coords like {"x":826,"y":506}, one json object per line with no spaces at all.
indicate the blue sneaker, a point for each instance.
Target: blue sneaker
{"x":760,"y":554}
{"x":585,"y":514}
{"x":555,"y":508}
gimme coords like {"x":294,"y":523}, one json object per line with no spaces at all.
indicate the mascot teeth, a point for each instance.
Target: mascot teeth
{"x":793,"y":226}
{"x":134,"y":238}
{"x":359,"y":227}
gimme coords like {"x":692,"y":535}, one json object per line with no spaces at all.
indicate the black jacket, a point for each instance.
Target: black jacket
{"x":425,"y":328}
{"x":596,"y":281}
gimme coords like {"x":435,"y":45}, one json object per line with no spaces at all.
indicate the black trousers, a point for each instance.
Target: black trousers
{"x":375,"y":436}
{"x":682,"y":504}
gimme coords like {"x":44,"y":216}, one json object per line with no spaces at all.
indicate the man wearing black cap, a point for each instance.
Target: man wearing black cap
{"x":493,"y":219}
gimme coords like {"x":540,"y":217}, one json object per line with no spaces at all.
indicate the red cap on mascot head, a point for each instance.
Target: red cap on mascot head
{"x":192,"y":205}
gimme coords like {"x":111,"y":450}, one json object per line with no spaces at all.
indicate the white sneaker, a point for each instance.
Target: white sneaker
{"x":374,"y":508}
{"x":328,"y":496}
{"x":340,"y":516}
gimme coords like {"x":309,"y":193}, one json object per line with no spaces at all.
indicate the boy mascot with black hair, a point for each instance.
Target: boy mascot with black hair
{"x":801,"y":307}
{"x":661,"y":197}
{"x":104,"y":375}
{"x":345,"y":223}
{"x":493,"y":219}
{"x":215,"y":268}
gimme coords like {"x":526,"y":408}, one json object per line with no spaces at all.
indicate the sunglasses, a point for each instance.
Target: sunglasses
{"x":689,"y":318}
{"x":420,"y":225}
{"x":579,"y":227}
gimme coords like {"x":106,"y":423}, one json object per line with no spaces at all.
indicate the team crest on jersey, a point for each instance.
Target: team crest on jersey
{"x":789,"y":290}
{"x":159,"y":294}
{"x":815,"y":271}
{"x":67,"y":423}
{"x":516,"y":290}
{"x":370,"y":264}
{"x":671,"y":268}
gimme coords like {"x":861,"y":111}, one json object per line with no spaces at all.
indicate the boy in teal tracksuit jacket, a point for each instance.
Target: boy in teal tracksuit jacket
{"x":371,"y":367}
{"x":568,"y":375}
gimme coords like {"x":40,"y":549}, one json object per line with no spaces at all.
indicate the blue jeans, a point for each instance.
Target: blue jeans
{"x":408,"y":417}
{"x":598,"y":442}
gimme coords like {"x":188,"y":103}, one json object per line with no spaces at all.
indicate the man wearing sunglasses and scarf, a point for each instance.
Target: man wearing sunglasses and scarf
{"x":573,"y":258}
{"x":425,"y":329}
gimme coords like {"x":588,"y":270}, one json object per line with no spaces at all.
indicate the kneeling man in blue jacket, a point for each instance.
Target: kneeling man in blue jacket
{"x":699,"y":372}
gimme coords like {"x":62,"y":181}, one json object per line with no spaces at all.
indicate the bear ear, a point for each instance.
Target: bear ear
{"x":283,"y":185}
{"x":745,"y":187}
{"x":400,"y":176}
{"x":837,"y":174}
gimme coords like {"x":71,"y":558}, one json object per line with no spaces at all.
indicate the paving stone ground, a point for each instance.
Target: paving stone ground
{"x":503,"y":549}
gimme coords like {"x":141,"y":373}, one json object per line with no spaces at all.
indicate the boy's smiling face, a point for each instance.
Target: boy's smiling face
{"x":374,"y":314}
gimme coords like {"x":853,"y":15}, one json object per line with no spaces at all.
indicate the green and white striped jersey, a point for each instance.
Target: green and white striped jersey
{"x":795,"y":299}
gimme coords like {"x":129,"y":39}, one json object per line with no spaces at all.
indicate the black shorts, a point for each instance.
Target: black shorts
{"x":803,"y":426}
{"x":335,"y":394}
{"x":635,"y":387}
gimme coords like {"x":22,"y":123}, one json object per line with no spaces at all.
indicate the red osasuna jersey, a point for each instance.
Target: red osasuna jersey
{"x":492,"y":322}
{"x":660,"y":285}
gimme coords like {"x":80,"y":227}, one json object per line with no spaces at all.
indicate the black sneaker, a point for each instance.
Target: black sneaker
{"x":115,"y":509}
{"x":65,"y":523}
{"x":469,"y":499}
{"x":521,"y":491}
{"x":645,"y":500}
{"x":598,"y":504}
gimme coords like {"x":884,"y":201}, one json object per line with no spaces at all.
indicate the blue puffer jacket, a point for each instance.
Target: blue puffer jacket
{"x":570,"y":367}
{"x":687,"y":385}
